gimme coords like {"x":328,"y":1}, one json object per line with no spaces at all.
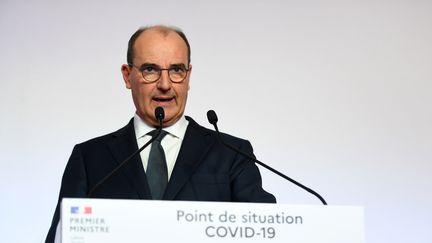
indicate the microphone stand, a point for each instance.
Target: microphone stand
{"x":212,"y":118}
{"x":160,"y":115}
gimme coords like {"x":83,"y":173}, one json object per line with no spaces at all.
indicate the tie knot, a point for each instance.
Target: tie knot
{"x":161,"y":135}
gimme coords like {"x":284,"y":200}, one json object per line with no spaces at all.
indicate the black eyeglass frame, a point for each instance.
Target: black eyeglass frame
{"x":160,"y":73}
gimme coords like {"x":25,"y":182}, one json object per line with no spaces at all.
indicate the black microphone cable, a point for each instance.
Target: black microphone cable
{"x":160,"y":115}
{"x":213,"y":119}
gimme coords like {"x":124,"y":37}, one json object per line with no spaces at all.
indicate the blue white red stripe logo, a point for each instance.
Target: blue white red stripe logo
{"x":81,"y":210}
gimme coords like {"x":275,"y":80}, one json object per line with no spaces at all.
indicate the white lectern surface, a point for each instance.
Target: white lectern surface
{"x":103,"y":220}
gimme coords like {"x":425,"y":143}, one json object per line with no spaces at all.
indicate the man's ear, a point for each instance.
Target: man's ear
{"x":189,"y":74}
{"x":126,"y":70}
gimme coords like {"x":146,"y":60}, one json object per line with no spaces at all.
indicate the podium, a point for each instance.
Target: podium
{"x":112,"y":220}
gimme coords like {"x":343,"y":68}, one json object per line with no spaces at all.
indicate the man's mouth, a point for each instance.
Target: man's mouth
{"x":163,"y":100}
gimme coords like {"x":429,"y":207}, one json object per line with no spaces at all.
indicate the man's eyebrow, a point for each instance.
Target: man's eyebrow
{"x":178,"y":65}
{"x":148,"y":64}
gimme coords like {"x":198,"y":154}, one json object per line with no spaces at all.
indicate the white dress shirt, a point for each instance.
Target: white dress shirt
{"x":171,"y":143}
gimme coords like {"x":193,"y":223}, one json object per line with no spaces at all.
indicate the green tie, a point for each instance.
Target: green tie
{"x":157,"y":172}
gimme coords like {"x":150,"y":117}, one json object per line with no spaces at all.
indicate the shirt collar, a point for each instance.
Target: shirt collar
{"x":178,"y":129}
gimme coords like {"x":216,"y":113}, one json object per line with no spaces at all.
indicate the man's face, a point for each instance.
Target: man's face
{"x":164,"y":50}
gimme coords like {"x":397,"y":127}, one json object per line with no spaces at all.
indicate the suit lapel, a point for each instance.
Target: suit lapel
{"x":122,"y":146}
{"x":195,"y":146}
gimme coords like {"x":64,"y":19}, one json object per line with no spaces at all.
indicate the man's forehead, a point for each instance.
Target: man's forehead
{"x":155,"y":44}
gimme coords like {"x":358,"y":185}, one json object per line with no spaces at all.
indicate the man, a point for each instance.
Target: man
{"x":197,"y":166}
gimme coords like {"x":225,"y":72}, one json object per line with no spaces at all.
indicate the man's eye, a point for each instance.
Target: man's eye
{"x":177,"y":69}
{"x":148,"y":69}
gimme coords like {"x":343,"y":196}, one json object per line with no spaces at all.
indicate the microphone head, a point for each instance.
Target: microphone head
{"x":212,"y":117}
{"x":159,"y":113}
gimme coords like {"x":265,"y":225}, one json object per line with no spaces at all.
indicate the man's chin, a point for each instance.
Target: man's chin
{"x":170,"y":120}
{"x":171,"y":116}
{"x":164,"y":104}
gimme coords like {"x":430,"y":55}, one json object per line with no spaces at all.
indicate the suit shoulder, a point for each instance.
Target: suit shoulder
{"x":128,"y":129}
{"x":225,"y":136}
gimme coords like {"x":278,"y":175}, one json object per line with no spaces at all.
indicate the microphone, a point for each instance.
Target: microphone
{"x":159,"y":115}
{"x":213,"y":119}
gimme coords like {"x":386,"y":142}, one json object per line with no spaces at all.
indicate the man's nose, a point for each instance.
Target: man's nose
{"x":164,"y":82}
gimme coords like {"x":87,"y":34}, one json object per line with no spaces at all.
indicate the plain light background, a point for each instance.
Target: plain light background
{"x":336,"y":94}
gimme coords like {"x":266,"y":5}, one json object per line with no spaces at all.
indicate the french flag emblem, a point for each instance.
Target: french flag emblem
{"x":81,"y":210}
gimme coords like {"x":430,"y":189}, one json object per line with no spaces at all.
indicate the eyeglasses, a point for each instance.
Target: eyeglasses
{"x":152,"y":72}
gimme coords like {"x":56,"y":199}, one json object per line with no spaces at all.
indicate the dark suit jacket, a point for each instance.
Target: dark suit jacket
{"x":205,"y":170}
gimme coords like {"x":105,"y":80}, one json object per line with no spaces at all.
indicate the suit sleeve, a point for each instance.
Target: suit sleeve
{"x":246,"y":184}
{"x":74,"y":185}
